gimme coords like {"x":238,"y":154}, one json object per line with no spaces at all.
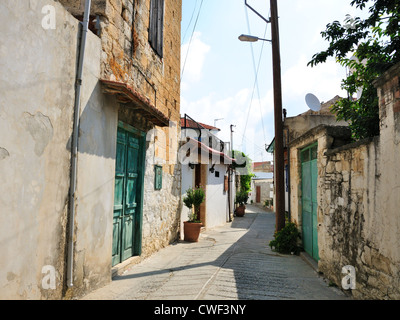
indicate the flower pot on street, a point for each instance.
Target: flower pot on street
{"x":193,"y":199}
{"x":240,"y":211}
{"x":241,"y":200}
{"x":191,"y":231}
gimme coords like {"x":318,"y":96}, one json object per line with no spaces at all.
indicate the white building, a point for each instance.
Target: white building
{"x":205,"y":162}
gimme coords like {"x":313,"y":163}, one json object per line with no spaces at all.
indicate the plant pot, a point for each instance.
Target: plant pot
{"x":191,"y":231}
{"x":240,"y":211}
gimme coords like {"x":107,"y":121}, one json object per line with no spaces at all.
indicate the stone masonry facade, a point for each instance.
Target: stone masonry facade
{"x":128,"y":58}
{"x":358,"y":199}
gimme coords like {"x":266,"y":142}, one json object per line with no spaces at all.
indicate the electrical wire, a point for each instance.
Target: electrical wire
{"x":190,"y":22}
{"x":250,"y":142}
{"x":191,"y":38}
{"x":256,"y":71}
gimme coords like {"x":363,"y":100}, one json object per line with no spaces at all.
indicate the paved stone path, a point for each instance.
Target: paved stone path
{"x":233,"y":262}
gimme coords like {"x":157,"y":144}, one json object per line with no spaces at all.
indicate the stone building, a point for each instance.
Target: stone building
{"x":345,"y":199}
{"x":65,"y":234}
{"x":294,"y":127}
{"x":262,"y":188}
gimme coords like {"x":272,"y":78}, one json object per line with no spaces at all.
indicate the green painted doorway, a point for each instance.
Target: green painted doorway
{"x":309,"y":179}
{"x":128,"y":193}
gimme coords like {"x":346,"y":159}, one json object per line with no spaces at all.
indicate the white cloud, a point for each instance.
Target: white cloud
{"x":193,"y":56}
{"x":323,"y":80}
{"x":235,"y":110}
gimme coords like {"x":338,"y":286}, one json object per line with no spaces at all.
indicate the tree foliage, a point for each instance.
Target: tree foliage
{"x":286,"y":239}
{"x":194,"y":198}
{"x":367,"y":47}
{"x":244,"y":170}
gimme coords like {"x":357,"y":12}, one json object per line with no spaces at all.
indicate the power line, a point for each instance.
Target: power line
{"x":250,"y":142}
{"x":191,"y":38}
{"x":256,"y":71}
{"x":190,"y":22}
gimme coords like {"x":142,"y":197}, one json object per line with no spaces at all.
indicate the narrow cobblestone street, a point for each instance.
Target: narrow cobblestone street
{"x":232,"y":262}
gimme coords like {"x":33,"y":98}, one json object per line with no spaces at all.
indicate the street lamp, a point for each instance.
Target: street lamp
{"x":215,"y":121}
{"x":248,"y":38}
{"x":278,"y":150}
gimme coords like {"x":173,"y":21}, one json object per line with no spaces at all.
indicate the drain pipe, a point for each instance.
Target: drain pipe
{"x":74,"y":147}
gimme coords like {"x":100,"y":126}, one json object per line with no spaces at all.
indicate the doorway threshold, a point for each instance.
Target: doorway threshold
{"x":120,"y":268}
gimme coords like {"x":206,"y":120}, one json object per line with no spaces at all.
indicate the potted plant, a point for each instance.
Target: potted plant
{"x":241,"y":200}
{"x":193,"y":199}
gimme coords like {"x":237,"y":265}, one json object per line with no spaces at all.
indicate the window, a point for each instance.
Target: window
{"x":156,"y":26}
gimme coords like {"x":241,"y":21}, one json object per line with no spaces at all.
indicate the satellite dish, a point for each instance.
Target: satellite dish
{"x":313,"y":102}
{"x":359,"y":93}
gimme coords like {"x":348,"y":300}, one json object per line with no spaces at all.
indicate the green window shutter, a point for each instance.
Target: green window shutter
{"x":158,"y":178}
{"x":156,"y":27}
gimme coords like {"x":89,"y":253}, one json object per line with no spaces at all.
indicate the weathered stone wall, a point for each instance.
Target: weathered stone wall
{"x":161,"y":208}
{"x":37,"y":93}
{"x":360,"y":208}
{"x":355,"y":223}
{"x":343,"y":205}
{"x":358,"y":200}
{"x":327,"y":137}
{"x":300,"y":124}
{"x":37,"y":77}
{"x":266,"y":189}
{"x":128,"y":57}
{"x":95,"y":180}
{"x":385,"y":239}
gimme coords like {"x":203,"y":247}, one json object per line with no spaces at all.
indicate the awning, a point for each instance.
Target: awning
{"x":271,"y":147}
{"x":211,"y":152}
{"x":126,"y":94}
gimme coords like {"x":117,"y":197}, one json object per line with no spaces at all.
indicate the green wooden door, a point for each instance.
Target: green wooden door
{"x":128,"y":194}
{"x":309,"y":178}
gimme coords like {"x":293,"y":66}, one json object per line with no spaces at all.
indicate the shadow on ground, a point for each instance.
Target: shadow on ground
{"x":231,"y":262}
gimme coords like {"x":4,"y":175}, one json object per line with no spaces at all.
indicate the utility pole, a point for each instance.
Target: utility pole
{"x":278,"y":150}
{"x":230,"y":180}
{"x":232,"y":152}
{"x":279,"y":166}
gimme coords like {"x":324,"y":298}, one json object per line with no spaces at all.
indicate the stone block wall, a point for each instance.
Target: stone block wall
{"x":342,"y":209}
{"x":358,"y":200}
{"x":265,"y":188}
{"x":327,"y":137}
{"x":127,"y":57}
{"x":356,"y":229}
{"x":161,"y":209}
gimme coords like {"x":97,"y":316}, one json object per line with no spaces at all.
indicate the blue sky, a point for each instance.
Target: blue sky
{"x":218,"y":78}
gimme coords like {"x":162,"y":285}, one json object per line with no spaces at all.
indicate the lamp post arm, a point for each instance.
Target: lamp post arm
{"x":252,"y":9}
